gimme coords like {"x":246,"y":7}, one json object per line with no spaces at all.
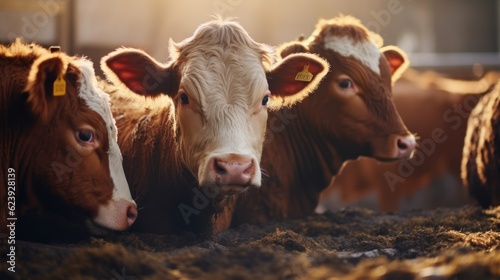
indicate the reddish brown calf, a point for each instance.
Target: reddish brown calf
{"x":60,"y":162}
{"x":436,"y":109}
{"x":351,"y":114}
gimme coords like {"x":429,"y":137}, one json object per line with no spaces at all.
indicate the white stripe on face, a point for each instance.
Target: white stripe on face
{"x":366,"y":52}
{"x":98,"y":101}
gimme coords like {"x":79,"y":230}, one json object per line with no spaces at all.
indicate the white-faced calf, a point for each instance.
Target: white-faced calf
{"x":205,"y":125}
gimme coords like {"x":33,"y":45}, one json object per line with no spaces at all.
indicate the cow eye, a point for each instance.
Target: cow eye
{"x":265,"y":100}
{"x":85,"y":136}
{"x":344,"y":84}
{"x":184,"y":99}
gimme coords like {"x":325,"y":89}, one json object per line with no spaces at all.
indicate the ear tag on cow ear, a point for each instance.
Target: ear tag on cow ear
{"x":54,"y":49}
{"x":59,"y":87}
{"x":304,"y":75}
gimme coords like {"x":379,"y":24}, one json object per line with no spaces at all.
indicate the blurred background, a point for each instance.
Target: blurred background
{"x":436,"y":34}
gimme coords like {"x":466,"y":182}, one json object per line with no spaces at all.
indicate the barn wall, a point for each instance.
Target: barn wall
{"x":94,"y":27}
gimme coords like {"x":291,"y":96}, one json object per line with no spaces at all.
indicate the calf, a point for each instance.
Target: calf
{"x":60,"y":158}
{"x":198,"y":140}
{"x":481,"y":154}
{"x":436,"y":109}
{"x":351,"y":114}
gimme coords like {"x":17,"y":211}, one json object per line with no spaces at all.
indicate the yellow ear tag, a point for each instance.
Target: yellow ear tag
{"x":304,"y":75}
{"x":59,"y":87}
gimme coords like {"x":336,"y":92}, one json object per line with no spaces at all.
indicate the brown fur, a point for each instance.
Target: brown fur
{"x":325,"y":130}
{"x":347,"y":26}
{"x":426,"y":102}
{"x":481,"y":154}
{"x":34,"y":125}
{"x":152,"y":163}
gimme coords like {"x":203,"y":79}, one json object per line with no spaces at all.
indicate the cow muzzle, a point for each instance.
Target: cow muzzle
{"x":405,"y":146}
{"x":232,"y":173}
{"x":117,"y":215}
{"x":395,"y":147}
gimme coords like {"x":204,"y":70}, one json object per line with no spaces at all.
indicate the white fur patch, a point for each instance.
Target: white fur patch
{"x":98,"y":101}
{"x":366,"y":52}
{"x":224,"y":73}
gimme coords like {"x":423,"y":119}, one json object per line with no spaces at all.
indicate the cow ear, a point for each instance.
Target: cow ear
{"x":292,"y":47}
{"x":40,"y":87}
{"x":294,"y":78}
{"x":398,"y":62}
{"x":139,"y":72}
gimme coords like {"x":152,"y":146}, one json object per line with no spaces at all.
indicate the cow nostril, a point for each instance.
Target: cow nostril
{"x":131,"y":214}
{"x":402,"y":145}
{"x":406,"y":146}
{"x":250,"y":169}
{"x":219,"y":167}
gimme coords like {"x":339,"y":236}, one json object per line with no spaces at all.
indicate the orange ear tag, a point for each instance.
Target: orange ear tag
{"x":304,"y":75}
{"x":59,"y":87}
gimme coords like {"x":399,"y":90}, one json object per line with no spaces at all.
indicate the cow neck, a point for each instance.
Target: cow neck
{"x":152,"y":161}
{"x":19,"y":150}
{"x":306,"y":155}
{"x":17,"y":129}
{"x":156,"y":136}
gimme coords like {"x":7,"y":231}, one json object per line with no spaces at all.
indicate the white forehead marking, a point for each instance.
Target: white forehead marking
{"x":98,"y":101}
{"x":95,"y":98}
{"x":366,"y":52}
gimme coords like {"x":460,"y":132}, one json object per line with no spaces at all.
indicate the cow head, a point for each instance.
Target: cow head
{"x":353,"y":106}
{"x":76,"y":160}
{"x":221,"y":83}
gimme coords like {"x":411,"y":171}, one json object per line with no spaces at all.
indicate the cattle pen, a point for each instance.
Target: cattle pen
{"x":284,"y":139}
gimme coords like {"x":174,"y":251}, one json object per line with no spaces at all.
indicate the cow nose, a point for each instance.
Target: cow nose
{"x":406,"y":145}
{"x":127,"y":213}
{"x":131,"y":213}
{"x":117,"y":214}
{"x":233,"y":171}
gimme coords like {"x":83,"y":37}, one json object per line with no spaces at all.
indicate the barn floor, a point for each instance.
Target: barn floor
{"x":460,"y":243}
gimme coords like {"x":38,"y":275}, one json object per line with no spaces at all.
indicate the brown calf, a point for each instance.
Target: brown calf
{"x":60,"y":159}
{"x":436,"y":109}
{"x":351,"y":114}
